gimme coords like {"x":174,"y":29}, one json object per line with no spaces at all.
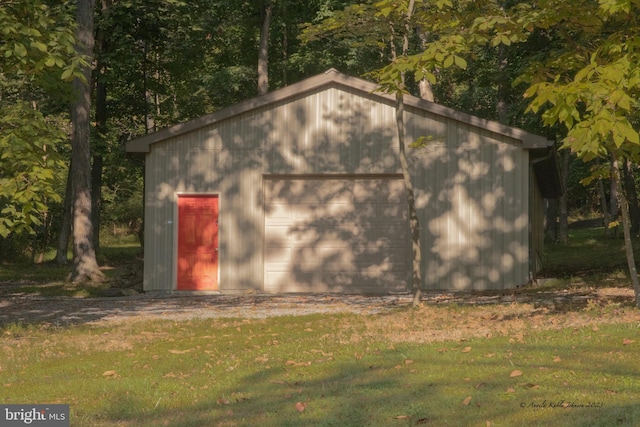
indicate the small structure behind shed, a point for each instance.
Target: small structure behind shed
{"x":300,"y":190}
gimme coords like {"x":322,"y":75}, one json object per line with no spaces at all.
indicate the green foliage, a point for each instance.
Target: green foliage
{"x":37,"y":59}
{"x":37,"y":40}
{"x":590,"y":85}
{"x":30,"y":167}
{"x":447,"y":31}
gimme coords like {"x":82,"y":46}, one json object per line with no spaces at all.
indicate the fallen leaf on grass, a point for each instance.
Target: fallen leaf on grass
{"x":179,"y":351}
{"x":467,"y":400}
{"x":515,"y":373}
{"x":423,"y":421}
{"x":511,"y":390}
{"x":466,"y":350}
{"x":408,"y":362}
{"x":223,"y":401}
{"x":109,"y":374}
{"x":300,"y":407}
{"x":557,"y":359}
{"x":627,"y":341}
{"x":402,"y":417}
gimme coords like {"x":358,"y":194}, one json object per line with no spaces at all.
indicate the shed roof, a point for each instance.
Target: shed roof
{"x":333,"y":78}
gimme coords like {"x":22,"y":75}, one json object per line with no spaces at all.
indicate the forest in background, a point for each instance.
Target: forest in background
{"x":564,"y":69}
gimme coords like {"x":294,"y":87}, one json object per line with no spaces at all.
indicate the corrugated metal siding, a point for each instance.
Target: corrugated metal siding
{"x":472,"y":186}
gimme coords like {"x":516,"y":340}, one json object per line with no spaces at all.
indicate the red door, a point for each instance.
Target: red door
{"x":197,"y":243}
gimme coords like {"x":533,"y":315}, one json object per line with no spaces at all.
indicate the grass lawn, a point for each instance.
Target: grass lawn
{"x":531,"y":365}
{"x":329,"y":370}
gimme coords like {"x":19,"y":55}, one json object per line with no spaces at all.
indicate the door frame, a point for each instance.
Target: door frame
{"x":176,"y":215}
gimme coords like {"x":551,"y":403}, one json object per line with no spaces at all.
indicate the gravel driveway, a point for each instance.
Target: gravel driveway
{"x":22,"y":308}
{"x":29,"y":309}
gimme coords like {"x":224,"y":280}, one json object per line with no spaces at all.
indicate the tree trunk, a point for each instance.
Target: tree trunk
{"x":96,"y":198}
{"x":414,"y":223}
{"x":613,"y":191}
{"x":263,"y":51}
{"x":46,"y":225}
{"x":603,"y":204}
{"x":626,"y":227}
{"x":504,"y":84}
{"x":65,"y":227}
{"x":285,"y":55}
{"x":563,"y":214}
{"x":632,"y":196}
{"x":426,"y":90}
{"x":551,"y":223}
{"x":85,"y":266}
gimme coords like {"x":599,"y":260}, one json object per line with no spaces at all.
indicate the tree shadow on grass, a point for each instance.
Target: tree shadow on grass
{"x":383,"y":388}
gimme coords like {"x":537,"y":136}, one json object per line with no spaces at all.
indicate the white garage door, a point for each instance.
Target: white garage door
{"x":335,"y":235}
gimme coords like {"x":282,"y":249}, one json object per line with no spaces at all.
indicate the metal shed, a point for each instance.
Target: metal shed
{"x":299,"y":190}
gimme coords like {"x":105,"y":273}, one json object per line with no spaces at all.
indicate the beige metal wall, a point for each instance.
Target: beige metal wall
{"x":472,"y":186}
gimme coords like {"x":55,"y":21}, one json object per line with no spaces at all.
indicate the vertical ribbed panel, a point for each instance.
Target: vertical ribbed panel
{"x":471,"y":188}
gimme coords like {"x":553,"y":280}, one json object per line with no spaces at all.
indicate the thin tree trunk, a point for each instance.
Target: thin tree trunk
{"x":563,"y":214}
{"x":603,"y":204}
{"x":85,"y":266}
{"x":626,"y":227}
{"x":613,"y":191}
{"x":632,"y":196}
{"x":285,"y":55}
{"x":503,"y":87}
{"x":263,"y":52}
{"x":551,"y":225}
{"x":65,"y":227}
{"x":414,"y":223}
{"x":426,"y":90}
{"x":46,"y":225}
